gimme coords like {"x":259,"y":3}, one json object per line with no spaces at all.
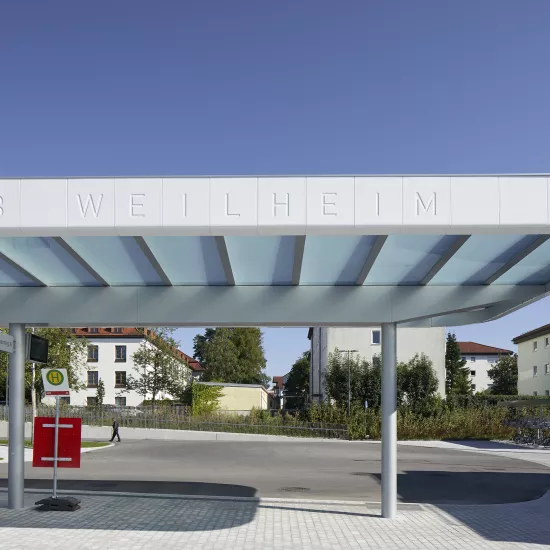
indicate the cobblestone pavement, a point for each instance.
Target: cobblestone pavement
{"x":135,"y":522}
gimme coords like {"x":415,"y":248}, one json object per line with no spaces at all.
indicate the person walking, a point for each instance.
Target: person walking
{"x":115,"y":430}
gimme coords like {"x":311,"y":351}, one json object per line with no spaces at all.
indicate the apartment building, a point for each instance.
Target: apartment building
{"x":109,"y":358}
{"x":479,"y":359}
{"x":368,"y":343}
{"x":534,"y":361}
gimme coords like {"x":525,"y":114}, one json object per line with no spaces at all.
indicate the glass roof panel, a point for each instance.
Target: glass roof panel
{"x":119,"y":260}
{"x":9,"y":276}
{"x":188,"y":260}
{"x":480,"y":257}
{"x":44,"y":258}
{"x":334,"y":260}
{"x":407,"y":259}
{"x":261,"y":260}
{"x":532,"y":270}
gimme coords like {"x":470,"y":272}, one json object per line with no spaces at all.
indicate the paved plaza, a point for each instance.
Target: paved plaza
{"x":134,"y":522}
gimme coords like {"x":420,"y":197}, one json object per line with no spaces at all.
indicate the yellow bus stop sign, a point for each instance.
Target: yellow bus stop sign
{"x":56,"y":381}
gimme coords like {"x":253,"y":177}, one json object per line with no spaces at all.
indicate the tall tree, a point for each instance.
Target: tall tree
{"x":457,"y":379}
{"x":419,"y":382}
{"x":297,"y":384}
{"x":232,"y":355}
{"x":504,"y":375}
{"x":158,"y":367}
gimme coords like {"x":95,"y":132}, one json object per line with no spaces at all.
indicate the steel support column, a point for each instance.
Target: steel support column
{"x":389,"y":420}
{"x":16,"y":464}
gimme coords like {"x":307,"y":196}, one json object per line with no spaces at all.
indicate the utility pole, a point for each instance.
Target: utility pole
{"x":349,"y":351}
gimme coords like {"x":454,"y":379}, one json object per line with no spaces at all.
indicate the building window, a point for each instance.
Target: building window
{"x":94,"y":331}
{"x":120,"y":401}
{"x":546,"y":369}
{"x":91,"y":401}
{"x":535,"y":394}
{"x":547,"y":342}
{"x":473,"y":387}
{"x":65,"y":400}
{"x":375,"y":337}
{"x":120,"y":379}
{"x":535,"y":345}
{"x":117,"y":330}
{"x":473,"y":359}
{"x":547,"y":393}
{"x":93,"y":378}
{"x":472,"y":373}
{"x":535,"y":371}
{"x":120,"y":354}
{"x":93,"y":354}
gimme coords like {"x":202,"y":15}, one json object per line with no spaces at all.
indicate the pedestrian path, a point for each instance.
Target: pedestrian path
{"x":140,"y":522}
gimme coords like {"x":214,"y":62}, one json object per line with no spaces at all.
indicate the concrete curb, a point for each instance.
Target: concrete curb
{"x":173,"y":496}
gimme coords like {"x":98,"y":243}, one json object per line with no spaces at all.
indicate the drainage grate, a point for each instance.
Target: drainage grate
{"x":294,"y":489}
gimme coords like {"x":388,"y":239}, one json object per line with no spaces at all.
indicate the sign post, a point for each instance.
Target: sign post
{"x":46,"y":451}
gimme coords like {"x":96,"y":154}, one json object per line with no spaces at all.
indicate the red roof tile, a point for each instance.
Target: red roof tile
{"x":473,"y":348}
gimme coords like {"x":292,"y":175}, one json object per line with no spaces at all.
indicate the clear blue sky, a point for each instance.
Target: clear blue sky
{"x":293,"y":86}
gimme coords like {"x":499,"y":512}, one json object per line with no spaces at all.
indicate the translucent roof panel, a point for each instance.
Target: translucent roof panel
{"x":261,"y":260}
{"x":47,"y":260}
{"x":532,"y":270}
{"x":10,"y":276}
{"x":480,"y":257}
{"x":188,"y":260}
{"x":407,"y":259}
{"x":334,"y":260}
{"x":119,"y":260}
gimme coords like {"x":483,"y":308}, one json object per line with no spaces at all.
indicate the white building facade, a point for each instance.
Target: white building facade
{"x":368,"y":343}
{"x":479,"y":359}
{"x":534,"y":362}
{"x":109,"y":358}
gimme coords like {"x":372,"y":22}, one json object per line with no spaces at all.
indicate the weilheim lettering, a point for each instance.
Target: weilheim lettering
{"x":84,"y":207}
{"x":284,"y":205}
{"x":227,"y":208}
{"x":430,"y":205}
{"x":136,"y":205}
{"x":329,"y":206}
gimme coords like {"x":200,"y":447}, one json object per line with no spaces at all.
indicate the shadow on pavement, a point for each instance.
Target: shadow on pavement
{"x":447,"y":487}
{"x":189,"y":488}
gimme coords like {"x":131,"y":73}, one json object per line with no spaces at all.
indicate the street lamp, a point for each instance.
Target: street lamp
{"x":349,"y":351}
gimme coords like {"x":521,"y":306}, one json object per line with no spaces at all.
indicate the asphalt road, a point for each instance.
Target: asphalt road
{"x":340,"y":470}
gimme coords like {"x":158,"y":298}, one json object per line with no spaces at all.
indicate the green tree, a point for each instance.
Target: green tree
{"x":233,"y":355}
{"x":158,"y":367}
{"x":100,"y":393}
{"x":418,"y":382}
{"x":457,"y":379}
{"x":297,"y":384}
{"x":504,"y":375}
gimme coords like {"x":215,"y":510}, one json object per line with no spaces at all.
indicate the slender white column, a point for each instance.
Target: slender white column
{"x":389,"y":420}
{"x":16,"y":464}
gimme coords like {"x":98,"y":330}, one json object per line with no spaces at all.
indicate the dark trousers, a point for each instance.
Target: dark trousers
{"x":115,"y":434}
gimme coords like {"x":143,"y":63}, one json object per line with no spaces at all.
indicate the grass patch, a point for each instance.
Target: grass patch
{"x":83,"y":445}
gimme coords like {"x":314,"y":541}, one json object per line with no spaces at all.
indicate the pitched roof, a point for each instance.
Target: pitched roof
{"x":541,"y":331}
{"x":473,"y":348}
{"x":130,"y":332}
{"x":279,"y":382}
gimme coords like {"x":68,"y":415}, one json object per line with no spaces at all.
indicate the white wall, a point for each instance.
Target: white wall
{"x":106,"y":366}
{"x":430,"y":341}
{"x":480,"y":364}
{"x":529,"y":358}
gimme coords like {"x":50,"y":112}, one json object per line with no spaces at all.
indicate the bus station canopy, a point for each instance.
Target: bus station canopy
{"x":286,"y":251}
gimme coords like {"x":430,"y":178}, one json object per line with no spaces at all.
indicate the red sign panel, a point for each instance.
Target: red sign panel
{"x":69,"y":440}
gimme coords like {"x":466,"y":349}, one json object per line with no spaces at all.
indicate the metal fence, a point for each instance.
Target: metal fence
{"x":181,"y":419}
